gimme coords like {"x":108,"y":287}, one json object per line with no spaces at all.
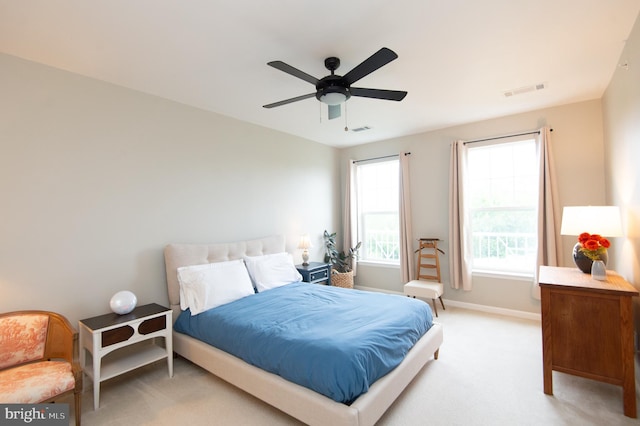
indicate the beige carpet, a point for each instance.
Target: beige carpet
{"x":489,"y":373}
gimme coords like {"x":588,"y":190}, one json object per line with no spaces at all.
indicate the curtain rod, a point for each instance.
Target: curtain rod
{"x":537,"y":132}
{"x":379,"y":158}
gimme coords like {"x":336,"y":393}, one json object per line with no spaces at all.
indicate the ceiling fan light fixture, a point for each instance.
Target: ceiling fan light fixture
{"x":333,"y":98}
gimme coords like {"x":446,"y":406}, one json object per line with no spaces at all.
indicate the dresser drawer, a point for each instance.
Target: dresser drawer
{"x":117,"y":335}
{"x":152,"y":325}
{"x":319,"y":275}
{"x":124,"y":333}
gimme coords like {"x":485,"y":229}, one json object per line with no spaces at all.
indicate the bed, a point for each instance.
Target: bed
{"x":307,"y":405}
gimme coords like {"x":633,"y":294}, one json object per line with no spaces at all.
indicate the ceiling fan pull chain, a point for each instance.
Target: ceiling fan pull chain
{"x":346,"y":127}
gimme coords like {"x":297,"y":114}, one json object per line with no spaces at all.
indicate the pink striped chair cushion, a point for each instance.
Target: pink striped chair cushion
{"x":22,"y":338}
{"x":36,"y":382}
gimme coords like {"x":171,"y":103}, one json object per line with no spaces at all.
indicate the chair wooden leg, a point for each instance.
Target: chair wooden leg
{"x":442,"y":303}
{"x":77,"y":407}
{"x":435,"y":309}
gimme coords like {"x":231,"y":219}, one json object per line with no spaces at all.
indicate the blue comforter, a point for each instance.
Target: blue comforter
{"x":333,"y":340}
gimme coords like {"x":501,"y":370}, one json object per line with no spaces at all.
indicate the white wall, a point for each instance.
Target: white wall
{"x":96,"y":179}
{"x":621,"y":108}
{"x":577,"y":146}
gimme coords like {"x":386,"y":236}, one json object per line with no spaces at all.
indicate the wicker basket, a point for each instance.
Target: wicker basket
{"x":342,"y":279}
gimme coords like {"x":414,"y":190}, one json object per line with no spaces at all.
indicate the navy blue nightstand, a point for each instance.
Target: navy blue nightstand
{"x":315,"y":272}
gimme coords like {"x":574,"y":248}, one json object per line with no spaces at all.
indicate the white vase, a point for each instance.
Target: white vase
{"x":598,"y":270}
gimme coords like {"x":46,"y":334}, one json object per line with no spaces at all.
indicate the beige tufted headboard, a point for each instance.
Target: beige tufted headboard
{"x":177,"y":255}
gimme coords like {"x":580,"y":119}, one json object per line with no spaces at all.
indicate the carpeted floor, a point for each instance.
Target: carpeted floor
{"x":489,"y":373}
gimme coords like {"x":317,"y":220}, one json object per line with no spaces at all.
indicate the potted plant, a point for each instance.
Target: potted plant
{"x":341,"y":262}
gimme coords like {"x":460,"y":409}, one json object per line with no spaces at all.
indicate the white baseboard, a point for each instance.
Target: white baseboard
{"x":471,"y":306}
{"x":379,"y":290}
{"x":496,"y":310}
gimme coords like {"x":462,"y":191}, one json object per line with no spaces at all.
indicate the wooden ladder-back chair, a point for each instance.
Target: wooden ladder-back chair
{"x":39,"y":359}
{"x":428,"y":283}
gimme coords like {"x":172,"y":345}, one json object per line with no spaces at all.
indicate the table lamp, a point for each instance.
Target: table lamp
{"x":593,"y":225}
{"x":305,"y":244}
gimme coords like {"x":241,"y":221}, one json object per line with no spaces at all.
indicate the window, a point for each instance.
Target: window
{"x":502,"y":196}
{"x":377,"y":211}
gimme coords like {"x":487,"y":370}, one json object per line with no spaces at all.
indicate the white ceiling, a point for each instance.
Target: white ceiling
{"x":456,"y":57}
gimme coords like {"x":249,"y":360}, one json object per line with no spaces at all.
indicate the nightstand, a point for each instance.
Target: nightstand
{"x":121,"y":343}
{"x":587,"y":329}
{"x":315,"y":272}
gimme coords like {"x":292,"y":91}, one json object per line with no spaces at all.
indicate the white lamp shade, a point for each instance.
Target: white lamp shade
{"x":305,"y":242}
{"x":601,"y":220}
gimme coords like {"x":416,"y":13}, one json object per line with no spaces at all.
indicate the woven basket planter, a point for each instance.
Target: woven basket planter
{"x":342,"y":279}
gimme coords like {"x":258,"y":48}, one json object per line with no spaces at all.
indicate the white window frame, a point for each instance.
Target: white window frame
{"x":362,"y":212}
{"x":501,"y":267}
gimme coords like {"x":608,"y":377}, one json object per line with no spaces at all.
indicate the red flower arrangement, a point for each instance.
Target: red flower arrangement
{"x":593,"y":245}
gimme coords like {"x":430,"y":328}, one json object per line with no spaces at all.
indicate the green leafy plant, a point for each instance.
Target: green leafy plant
{"x":341,"y":261}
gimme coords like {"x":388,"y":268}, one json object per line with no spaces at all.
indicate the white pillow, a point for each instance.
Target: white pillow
{"x":203,"y":287}
{"x":272,"y":270}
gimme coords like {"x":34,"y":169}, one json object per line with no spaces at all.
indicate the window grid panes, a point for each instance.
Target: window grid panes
{"x":502,"y":195}
{"x":378,"y":218}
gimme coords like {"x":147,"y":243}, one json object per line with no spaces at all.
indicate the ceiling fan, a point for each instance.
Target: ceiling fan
{"x":334,"y":90}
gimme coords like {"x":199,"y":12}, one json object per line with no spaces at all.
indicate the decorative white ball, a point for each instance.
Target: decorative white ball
{"x":123,"y":302}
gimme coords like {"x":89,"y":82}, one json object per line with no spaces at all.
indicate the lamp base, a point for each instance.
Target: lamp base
{"x":305,"y":258}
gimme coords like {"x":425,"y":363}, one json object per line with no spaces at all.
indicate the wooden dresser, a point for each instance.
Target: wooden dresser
{"x":587,"y":329}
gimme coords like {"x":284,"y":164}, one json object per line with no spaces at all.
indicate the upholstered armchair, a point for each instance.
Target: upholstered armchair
{"x":38,"y":359}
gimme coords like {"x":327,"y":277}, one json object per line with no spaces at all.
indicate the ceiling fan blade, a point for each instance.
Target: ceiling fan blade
{"x":389,"y":95}
{"x":334,"y":111}
{"x":293,"y":71}
{"x":288,"y":101}
{"x":379,"y":59}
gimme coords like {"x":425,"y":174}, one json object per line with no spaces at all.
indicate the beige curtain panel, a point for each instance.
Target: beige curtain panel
{"x":549,"y":245}
{"x":406,"y":238}
{"x":460,"y":257}
{"x":350,"y":231}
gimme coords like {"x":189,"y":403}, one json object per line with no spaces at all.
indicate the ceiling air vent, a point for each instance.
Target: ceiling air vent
{"x":525,"y":89}
{"x":361,"y":129}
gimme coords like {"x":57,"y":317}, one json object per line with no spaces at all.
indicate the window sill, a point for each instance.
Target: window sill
{"x":516,"y":276}
{"x":378,"y":264}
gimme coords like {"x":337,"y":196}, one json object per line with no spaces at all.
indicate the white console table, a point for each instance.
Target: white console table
{"x":121,"y":343}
